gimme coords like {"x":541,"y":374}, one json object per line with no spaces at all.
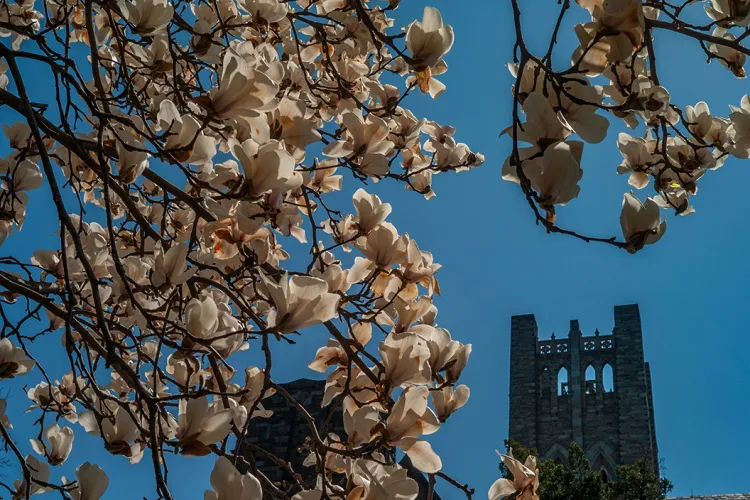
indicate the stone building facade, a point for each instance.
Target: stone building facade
{"x":553,"y":402}
{"x":284,"y":435}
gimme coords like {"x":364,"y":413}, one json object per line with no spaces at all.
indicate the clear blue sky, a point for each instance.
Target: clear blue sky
{"x":691,"y":287}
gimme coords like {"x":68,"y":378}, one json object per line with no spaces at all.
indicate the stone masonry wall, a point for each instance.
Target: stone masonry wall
{"x":614,"y":427}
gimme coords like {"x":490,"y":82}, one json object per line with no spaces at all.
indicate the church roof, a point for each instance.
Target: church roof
{"x":738,"y":496}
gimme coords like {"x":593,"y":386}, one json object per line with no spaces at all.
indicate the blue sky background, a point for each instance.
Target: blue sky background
{"x":691,"y":287}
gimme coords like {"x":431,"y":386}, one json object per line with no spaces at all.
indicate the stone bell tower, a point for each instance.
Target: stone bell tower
{"x":592,"y":390}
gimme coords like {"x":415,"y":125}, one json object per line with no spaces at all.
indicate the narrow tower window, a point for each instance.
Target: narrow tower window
{"x":605,"y":476}
{"x":562,"y":382}
{"x":590,"y":380}
{"x":608,"y":378}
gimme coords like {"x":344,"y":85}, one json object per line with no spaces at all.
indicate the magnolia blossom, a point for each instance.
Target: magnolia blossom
{"x":382,"y":248}
{"x":447,"y":400}
{"x":184,"y":133}
{"x":740,"y":127}
{"x":374,"y":481}
{"x":243,"y":91}
{"x":39,"y":472}
{"x":410,"y":418}
{"x":300,"y":302}
{"x":640,"y":222}
{"x":13,"y":360}
{"x":202,"y":317}
{"x":405,"y":359}
{"x":199,"y":427}
{"x":371,"y":211}
{"x":429,"y":40}
{"x":270,"y":11}
{"x":266,"y":167}
{"x":542,"y":127}
{"x":148,"y":16}
{"x":170,"y":267}
{"x":229,"y":484}
{"x":700,"y":120}
{"x":729,"y":12}
{"x":60,"y":444}
{"x":525,"y":480}
{"x":27,"y":176}
{"x":730,"y":58}
{"x":132,"y":158}
{"x":638,"y":159}
{"x":582,"y":119}
{"x":554,"y":175}
{"x":618,"y":26}
{"x":365,"y":136}
{"x":92,"y":482}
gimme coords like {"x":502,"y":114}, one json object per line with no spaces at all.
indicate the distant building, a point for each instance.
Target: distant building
{"x":284,"y":434}
{"x":558,"y":393}
{"x":739,"y":496}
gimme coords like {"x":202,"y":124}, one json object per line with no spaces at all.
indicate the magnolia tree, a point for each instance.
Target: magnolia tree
{"x":184,"y":145}
{"x":614,"y":74}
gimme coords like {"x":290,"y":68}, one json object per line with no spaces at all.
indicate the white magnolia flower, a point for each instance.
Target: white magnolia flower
{"x":405,"y":358}
{"x":270,"y":11}
{"x":186,"y":370}
{"x":730,"y":58}
{"x":92,"y":482}
{"x":447,"y":400}
{"x":638,"y":158}
{"x":409,"y":419}
{"x":371,"y":211}
{"x":170,"y":267}
{"x":243,"y":91}
{"x":699,"y":119}
{"x":39,"y":471}
{"x":13,"y":361}
{"x":198,"y":427}
{"x":640,"y":222}
{"x":132,"y":158}
{"x":364,"y":135}
{"x":148,"y":16}
{"x":739,"y":130}
{"x":525,"y":480}
{"x":184,"y":133}
{"x":429,"y":40}
{"x":60,"y":444}
{"x":229,"y":484}
{"x":374,"y":481}
{"x":328,"y":356}
{"x":300,"y":302}
{"x":582,"y":119}
{"x":202,"y":317}
{"x":18,"y":134}
{"x":554,"y":175}
{"x":119,"y":432}
{"x":542,"y":127}
{"x":268,"y":167}
{"x":27,"y":176}
{"x":729,"y":12}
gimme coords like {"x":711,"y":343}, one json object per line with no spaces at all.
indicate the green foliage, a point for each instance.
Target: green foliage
{"x":580,"y":482}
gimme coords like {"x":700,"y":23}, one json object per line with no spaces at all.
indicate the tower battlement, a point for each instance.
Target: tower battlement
{"x":594,"y":390}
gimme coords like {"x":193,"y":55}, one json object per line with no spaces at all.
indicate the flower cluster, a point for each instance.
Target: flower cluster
{"x":613,"y":75}
{"x":188,"y":153}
